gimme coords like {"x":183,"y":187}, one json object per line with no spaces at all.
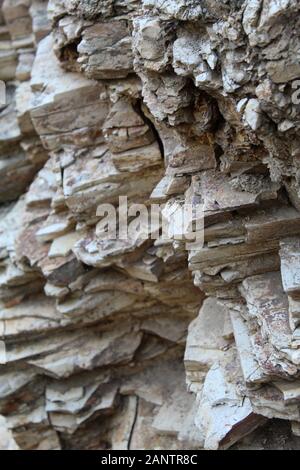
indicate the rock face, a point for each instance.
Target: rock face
{"x":149,"y":342}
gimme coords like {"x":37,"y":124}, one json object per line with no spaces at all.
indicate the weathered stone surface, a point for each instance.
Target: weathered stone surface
{"x":205,"y":343}
{"x":223,"y":416}
{"x":105,"y":50}
{"x":251,"y":370}
{"x":165,"y":102}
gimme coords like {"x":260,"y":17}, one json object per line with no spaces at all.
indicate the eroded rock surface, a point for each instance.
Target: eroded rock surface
{"x":147,"y":342}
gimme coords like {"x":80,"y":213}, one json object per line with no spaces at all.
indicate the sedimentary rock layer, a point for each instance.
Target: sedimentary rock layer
{"x":150,"y":341}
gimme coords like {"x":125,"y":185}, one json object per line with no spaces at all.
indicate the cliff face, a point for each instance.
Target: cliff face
{"x":148,"y":342}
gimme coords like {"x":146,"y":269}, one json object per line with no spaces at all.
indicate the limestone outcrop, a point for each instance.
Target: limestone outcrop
{"x":150,"y":342}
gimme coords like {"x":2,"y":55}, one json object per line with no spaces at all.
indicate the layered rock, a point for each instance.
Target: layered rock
{"x":149,"y":342}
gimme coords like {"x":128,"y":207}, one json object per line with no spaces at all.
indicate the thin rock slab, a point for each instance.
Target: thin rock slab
{"x":223,"y":416}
